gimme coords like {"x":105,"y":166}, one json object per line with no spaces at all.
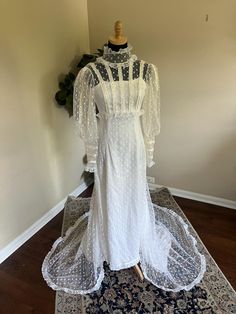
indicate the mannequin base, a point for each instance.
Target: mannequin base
{"x":139,"y":272}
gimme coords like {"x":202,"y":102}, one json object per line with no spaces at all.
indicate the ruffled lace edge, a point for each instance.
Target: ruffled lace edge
{"x":90,"y":168}
{"x":194,"y":241}
{"x":47,"y":278}
{"x":186,"y":288}
{"x":150,"y":163}
{"x":127,"y":265}
{"x":108,"y":50}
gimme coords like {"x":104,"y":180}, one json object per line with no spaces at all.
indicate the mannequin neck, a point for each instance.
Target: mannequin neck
{"x":116,"y":47}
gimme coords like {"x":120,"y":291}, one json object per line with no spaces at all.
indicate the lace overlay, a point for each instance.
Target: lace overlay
{"x":121,"y":226}
{"x":122,"y":56}
{"x":116,"y":67}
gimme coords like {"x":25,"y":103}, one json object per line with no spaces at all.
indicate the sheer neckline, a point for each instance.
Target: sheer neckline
{"x":122,"y":57}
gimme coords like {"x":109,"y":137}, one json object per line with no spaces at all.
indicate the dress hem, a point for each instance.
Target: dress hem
{"x":123,"y":265}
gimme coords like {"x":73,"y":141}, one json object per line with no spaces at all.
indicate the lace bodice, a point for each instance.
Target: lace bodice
{"x":117,"y":84}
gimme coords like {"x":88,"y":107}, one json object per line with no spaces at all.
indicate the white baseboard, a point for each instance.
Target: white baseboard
{"x":27,"y":234}
{"x":198,"y":197}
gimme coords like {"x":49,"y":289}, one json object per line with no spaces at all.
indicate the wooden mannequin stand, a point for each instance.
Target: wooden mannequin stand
{"x":119,"y":39}
{"x":139,"y":272}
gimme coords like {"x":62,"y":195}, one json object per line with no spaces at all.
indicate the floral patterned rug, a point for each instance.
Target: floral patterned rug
{"x":122,"y":292}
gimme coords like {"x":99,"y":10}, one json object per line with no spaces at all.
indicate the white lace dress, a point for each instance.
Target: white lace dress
{"x":122,"y":226}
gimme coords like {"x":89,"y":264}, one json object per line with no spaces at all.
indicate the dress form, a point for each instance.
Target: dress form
{"x":116,"y":42}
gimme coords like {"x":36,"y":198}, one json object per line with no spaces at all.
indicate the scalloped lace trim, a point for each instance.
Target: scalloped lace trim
{"x":194,"y":241}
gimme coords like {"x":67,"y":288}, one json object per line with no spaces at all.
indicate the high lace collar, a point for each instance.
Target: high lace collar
{"x":115,"y":58}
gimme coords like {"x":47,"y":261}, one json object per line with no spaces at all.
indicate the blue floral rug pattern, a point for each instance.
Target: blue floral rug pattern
{"x":122,"y":292}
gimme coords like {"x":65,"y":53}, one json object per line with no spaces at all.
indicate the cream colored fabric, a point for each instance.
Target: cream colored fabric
{"x":122,"y":226}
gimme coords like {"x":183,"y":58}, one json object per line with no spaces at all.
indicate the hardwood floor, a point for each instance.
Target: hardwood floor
{"x":216,"y":227}
{"x":23,"y":290}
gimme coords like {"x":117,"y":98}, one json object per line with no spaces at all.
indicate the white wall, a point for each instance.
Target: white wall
{"x":40,"y":158}
{"x":196,"y":149}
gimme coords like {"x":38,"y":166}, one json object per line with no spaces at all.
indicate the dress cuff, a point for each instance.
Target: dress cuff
{"x":90,"y":166}
{"x":150,"y":163}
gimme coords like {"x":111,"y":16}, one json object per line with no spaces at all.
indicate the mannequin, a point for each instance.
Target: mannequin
{"x":118,"y":39}
{"x":117,"y":42}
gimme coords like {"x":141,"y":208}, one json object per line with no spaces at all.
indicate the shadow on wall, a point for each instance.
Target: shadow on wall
{"x":210,"y":164}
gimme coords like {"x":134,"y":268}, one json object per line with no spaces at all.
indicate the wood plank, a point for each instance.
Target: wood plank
{"x":216,"y":226}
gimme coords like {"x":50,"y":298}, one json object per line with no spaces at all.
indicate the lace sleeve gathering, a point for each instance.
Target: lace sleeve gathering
{"x":84,"y":115}
{"x":151,"y":118}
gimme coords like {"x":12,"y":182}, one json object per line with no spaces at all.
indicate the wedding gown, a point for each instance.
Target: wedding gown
{"x":121,"y":226}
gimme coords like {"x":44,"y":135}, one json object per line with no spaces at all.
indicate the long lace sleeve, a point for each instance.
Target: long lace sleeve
{"x":151,"y":118}
{"x":84,"y":115}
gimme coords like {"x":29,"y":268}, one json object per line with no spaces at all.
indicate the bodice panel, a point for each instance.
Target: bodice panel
{"x":120,"y":89}
{"x":114,"y":94}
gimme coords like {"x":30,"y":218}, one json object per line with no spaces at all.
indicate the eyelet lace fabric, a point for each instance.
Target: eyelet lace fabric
{"x":121,"y":226}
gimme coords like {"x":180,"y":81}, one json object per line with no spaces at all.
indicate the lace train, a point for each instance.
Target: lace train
{"x":73,"y":269}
